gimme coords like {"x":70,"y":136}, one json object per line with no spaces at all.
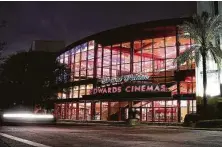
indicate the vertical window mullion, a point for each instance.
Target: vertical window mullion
{"x":87,"y":54}
{"x":141,"y":57}
{"x":120,"y":66}
{"x":102,"y":58}
{"x":111,"y":57}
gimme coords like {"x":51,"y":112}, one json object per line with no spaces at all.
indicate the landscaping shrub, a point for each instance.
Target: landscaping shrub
{"x":191,"y":118}
{"x":215,"y":123}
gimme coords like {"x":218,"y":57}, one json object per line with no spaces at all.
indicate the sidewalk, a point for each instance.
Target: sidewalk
{"x":123,"y":124}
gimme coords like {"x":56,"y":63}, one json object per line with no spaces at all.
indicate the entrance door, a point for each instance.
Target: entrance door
{"x":124,"y":113}
{"x":147,"y":114}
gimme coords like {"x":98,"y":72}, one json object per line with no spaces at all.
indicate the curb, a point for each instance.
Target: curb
{"x":138,"y":126}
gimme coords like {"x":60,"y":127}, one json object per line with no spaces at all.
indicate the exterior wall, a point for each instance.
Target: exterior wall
{"x":152,"y":56}
{"x":148,"y":111}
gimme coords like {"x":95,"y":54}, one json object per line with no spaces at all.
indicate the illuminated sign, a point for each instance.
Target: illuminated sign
{"x":125,"y":78}
{"x":130,"y":88}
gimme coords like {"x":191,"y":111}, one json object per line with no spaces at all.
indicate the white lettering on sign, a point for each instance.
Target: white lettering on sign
{"x":132,"y":88}
{"x":125,"y":78}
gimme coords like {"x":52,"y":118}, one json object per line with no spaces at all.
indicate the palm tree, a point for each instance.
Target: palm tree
{"x":204,"y":30}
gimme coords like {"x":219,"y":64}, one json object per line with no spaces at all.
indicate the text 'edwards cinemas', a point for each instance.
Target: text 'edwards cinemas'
{"x":131,"y":88}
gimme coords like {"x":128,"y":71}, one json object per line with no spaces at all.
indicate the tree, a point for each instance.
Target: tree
{"x":204,"y":30}
{"x":31,"y":77}
{"x":2,"y":43}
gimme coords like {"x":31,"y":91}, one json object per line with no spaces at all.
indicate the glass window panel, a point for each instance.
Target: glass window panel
{"x":83,"y":65}
{"x":158,"y":42}
{"x":77,"y":66}
{"x":82,"y":86}
{"x":183,"y":48}
{"x":88,"y":111}
{"x":90,"y":64}
{"x":125,"y":68}
{"x":83,"y":73}
{"x":90,"y":54}
{"x":106,"y":72}
{"x":66,"y":60}
{"x":170,"y":52}
{"x":137,"y":48}
{"x":98,"y":72}
{"x":90,"y":72}
{"x":59,"y":95}
{"x":159,"y":103}
{"x":170,"y":64}
{"x":145,"y":58}
{"x":147,"y":66}
{"x":77,"y":73}
{"x":170,"y":41}
{"x":88,"y":92}
{"x":104,"y":111}
{"x":184,"y":41}
{"x":70,"y":93}
{"x":91,"y":44}
{"x":77,"y":57}
{"x":82,"y":92}
{"x":159,"y":53}
{"x":107,"y":51}
{"x":84,"y":47}
{"x":67,"y":53}
{"x":159,"y":65}
{"x":99,"y":53}
{"x":126,"y":45}
{"x":115,"y":59}
{"x":89,"y":86}
{"x":63,"y":95}
{"x":137,"y":67}
{"x":117,"y":69}
{"x":99,"y":62}
{"x":114,"y":73}
{"x":136,"y":58}
{"x":147,"y":44}
{"x":83,"y":56}
{"x":106,"y":60}
{"x":73,"y":59}
{"x":125,"y":58}
{"x":61,"y":60}
{"x":73,"y":51}
{"x":78,"y":49}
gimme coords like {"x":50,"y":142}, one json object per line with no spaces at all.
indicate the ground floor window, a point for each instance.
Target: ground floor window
{"x":146,"y":111}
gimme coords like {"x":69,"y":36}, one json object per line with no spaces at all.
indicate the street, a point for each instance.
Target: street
{"x":107,"y":136}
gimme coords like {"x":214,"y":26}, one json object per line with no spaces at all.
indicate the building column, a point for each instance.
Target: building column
{"x":77,"y":111}
{"x":131,"y":56}
{"x":84,"y":110}
{"x":152,"y":111}
{"x":109,"y":110}
{"x":101,"y":110}
{"x":178,"y":68}
{"x":55,"y":111}
{"x":119,"y":113}
{"x":93,"y":110}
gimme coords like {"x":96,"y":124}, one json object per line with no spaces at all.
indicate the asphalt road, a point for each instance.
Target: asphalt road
{"x":107,"y":136}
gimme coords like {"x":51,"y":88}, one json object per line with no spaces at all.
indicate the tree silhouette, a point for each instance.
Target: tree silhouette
{"x":29,"y":78}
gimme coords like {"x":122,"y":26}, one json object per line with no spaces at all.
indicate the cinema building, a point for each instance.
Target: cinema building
{"x":130,"y":66}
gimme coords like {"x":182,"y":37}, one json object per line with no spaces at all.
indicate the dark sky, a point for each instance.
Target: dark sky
{"x":70,"y":21}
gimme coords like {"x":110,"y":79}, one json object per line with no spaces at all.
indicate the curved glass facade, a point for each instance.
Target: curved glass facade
{"x":151,"y":55}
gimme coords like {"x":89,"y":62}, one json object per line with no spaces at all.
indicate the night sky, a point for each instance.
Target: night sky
{"x":71,"y":21}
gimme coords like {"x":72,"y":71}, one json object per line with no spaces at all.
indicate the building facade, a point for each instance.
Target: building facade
{"x":131,"y":66}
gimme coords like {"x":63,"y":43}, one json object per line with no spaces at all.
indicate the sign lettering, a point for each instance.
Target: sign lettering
{"x":130,"y":88}
{"x":125,"y":78}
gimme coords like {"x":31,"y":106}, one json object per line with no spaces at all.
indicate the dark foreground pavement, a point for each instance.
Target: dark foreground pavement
{"x":106,"y":136}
